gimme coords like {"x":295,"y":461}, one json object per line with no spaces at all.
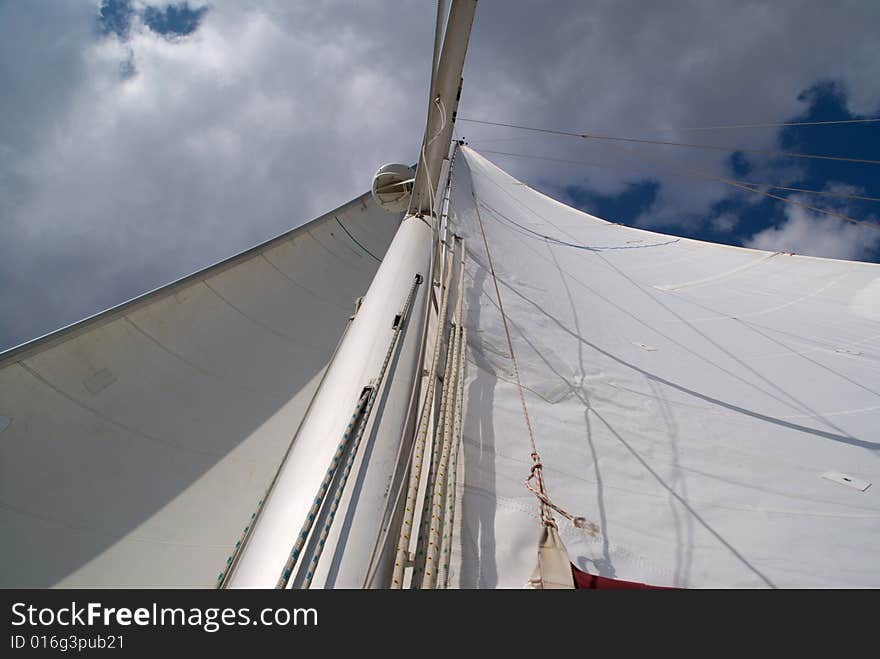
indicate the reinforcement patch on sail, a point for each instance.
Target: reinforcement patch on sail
{"x":686,"y":398}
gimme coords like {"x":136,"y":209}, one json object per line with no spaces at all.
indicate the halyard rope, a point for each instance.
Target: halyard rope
{"x":436,"y":440}
{"x":451,"y":493}
{"x":415,"y":474}
{"x":535,"y":481}
{"x":450,"y":392}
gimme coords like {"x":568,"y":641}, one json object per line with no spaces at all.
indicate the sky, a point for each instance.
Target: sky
{"x":143,"y":140}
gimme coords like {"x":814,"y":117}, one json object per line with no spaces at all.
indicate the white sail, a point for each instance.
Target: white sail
{"x":703,"y":415}
{"x":138,"y":443}
{"x":712,"y":411}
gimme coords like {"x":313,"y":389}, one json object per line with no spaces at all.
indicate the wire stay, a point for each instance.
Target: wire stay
{"x":710,"y":147}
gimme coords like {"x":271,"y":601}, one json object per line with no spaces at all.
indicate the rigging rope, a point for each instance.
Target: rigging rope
{"x":432,"y":99}
{"x":450,"y":388}
{"x":710,"y":147}
{"x":443,"y":272}
{"x":451,"y":483}
{"x":535,"y":481}
{"x":415,"y":474}
{"x":412,"y":407}
{"x":436,"y":439}
{"x":322,"y":492}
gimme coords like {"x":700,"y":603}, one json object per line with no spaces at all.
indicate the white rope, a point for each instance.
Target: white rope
{"x":415,"y":475}
{"x":451,"y":393}
{"x":452,"y":482}
{"x":436,"y":440}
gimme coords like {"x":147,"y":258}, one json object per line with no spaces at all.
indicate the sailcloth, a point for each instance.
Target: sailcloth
{"x":137,"y":445}
{"x":712,"y":411}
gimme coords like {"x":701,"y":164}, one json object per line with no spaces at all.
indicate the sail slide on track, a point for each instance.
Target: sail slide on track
{"x":137,"y":444}
{"x":713,"y":412}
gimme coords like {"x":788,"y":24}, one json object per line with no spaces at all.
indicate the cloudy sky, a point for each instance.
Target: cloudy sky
{"x":142,"y":140}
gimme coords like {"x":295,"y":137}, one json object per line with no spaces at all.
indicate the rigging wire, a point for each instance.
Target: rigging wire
{"x":785,"y":123}
{"x":827,"y":193}
{"x":770,"y":195}
{"x":788,"y":200}
{"x":734,"y":126}
{"x":709,"y":147}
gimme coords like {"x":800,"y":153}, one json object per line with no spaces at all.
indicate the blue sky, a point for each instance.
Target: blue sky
{"x":144,"y":139}
{"x":740,"y":220}
{"x":173,"y":20}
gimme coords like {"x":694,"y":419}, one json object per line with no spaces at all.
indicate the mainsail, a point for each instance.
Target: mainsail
{"x":712,"y":411}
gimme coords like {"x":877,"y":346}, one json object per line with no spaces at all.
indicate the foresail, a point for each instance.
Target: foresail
{"x":712,"y":411}
{"x":136,"y":446}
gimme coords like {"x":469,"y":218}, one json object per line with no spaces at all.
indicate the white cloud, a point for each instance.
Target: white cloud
{"x":725,"y":223}
{"x":274,"y":112}
{"x":264,"y":118}
{"x":814,"y":234}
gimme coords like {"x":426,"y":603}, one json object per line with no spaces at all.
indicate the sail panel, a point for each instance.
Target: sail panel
{"x":687,"y":399}
{"x":141,"y":440}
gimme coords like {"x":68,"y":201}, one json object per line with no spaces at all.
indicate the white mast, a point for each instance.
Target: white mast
{"x":274,"y":553}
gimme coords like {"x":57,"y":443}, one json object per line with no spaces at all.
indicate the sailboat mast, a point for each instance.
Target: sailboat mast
{"x":365,"y":395}
{"x":443,"y":105}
